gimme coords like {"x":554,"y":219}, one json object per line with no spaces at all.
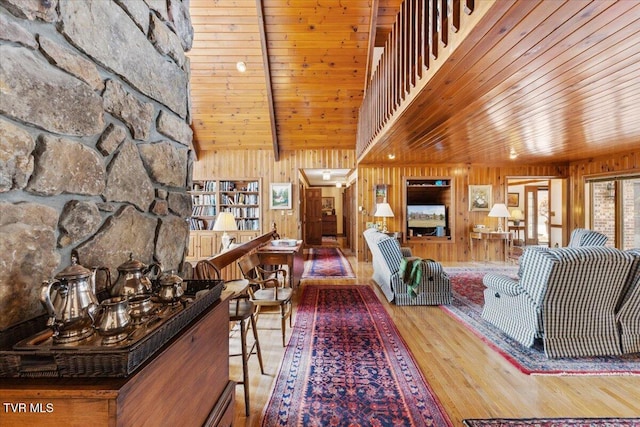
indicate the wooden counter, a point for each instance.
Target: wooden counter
{"x":186,"y":384}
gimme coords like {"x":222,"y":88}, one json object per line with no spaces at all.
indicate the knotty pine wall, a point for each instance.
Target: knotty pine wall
{"x":247,"y":164}
{"x":462,"y":176}
{"x":235,"y":164}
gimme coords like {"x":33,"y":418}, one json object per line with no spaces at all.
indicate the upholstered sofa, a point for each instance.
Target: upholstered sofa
{"x":570,"y":298}
{"x":433,"y":288}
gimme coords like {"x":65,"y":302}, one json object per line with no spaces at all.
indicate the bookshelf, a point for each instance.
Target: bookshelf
{"x":210,"y":197}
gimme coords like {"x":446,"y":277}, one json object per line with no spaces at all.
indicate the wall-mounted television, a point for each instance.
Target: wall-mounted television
{"x":425,"y":219}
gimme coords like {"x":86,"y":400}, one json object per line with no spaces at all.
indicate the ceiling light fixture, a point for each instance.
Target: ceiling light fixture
{"x":513,"y":154}
{"x":241,"y":66}
{"x":326,"y":176}
{"x":338,"y":184}
{"x":391,"y":156}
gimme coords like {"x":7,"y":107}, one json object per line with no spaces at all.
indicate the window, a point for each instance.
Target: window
{"x":613,"y":207}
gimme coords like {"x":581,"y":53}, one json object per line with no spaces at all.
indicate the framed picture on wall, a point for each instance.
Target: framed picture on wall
{"x":480,"y":198}
{"x":379,"y":196}
{"x":513,"y":200}
{"x":280,"y":195}
{"x":380,"y":193}
{"x":328,"y":204}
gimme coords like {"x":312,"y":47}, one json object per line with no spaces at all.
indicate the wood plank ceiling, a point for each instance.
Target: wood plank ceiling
{"x":318,"y":62}
{"x":549,"y":81}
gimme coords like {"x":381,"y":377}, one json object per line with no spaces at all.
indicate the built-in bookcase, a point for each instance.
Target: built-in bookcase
{"x":241,"y":197}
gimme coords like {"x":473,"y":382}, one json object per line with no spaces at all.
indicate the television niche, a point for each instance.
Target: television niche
{"x":427,"y":220}
{"x":427,"y":204}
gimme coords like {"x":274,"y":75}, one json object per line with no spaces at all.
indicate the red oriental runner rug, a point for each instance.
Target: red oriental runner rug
{"x":466,"y":307}
{"x":327,"y":263}
{"x":554,"y":422}
{"x":346,"y":365}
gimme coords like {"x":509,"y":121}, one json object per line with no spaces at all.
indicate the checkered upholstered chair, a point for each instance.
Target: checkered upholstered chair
{"x":565,"y":296}
{"x":434,"y":288}
{"x":628,"y":313}
{"x":582,"y":237}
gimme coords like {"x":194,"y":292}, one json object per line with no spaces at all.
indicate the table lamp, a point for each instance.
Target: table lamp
{"x":516,"y":215}
{"x":499,"y":210}
{"x":225,"y":221}
{"x":383,"y":210}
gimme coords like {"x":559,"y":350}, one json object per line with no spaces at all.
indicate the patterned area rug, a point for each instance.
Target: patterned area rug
{"x":467,"y":305}
{"x":555,"y":422}
{"x":346,"y":365}
{"x":327,"y":263}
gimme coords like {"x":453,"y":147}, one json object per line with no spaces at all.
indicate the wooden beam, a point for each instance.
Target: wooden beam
{"x":267,"y":73}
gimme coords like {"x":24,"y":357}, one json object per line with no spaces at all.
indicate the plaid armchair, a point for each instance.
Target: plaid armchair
{"x":628,"y":313}
{"x":433,"y":287}
{"x":565,"y":296}
{"x":582,"y":237}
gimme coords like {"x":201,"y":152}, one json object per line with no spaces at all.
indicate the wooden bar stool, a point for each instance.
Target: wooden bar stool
{"x":242,"y":310}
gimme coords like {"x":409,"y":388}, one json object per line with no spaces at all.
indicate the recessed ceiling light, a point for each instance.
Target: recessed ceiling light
{"x":241,"y":66}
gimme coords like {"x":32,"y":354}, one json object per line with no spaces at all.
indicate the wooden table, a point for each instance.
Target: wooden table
{"x":485,"y":237}
{"x":291,"y":256}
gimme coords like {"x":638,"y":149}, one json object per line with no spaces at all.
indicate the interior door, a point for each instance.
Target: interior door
{"x":313,"y":216}
{"x":531,"y":214}
{"x":536,"y":205}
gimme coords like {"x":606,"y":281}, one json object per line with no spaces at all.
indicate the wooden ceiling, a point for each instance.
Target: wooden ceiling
{"x":547,"y":81}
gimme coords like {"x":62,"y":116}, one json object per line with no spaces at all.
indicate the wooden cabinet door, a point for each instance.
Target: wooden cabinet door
{"x":208,"y":245}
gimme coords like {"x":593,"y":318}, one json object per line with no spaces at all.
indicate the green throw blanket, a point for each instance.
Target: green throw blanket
{"x":411,"y":274}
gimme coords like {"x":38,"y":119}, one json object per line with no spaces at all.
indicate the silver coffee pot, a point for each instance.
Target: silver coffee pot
{"x":72,"y":308}
{"x":133,"y":278}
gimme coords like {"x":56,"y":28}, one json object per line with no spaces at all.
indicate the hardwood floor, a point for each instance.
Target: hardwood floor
{"x":470,"y":379}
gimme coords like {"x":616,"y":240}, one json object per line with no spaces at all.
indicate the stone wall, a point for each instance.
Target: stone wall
{"x":95,"y":142}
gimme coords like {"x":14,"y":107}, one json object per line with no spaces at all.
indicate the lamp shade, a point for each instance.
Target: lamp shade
{"x":383,"y":210}
{"x":499,"y":210}
{"x":517,"y":214}
{"x":225,"y":221}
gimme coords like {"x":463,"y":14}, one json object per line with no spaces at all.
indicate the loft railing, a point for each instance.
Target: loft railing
{"x":421,"y":29}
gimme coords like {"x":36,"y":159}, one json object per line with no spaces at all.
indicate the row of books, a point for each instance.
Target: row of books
{"x":206,"y":210}
{"x":205,"y":186}
{"x":245,"y":212}
{"x":199,"y":224}
{"x":239,"y":199}
{"x":243,"y":224}
{"x":203,"y":199}
{"x":248,"y":224}
{"x":231,"y":186}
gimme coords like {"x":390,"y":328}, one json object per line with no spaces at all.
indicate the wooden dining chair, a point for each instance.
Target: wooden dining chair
{"x":243,"y":312}
{"x":268,"y":288}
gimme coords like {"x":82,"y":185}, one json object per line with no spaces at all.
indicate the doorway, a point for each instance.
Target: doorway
{"x":538,"y":211}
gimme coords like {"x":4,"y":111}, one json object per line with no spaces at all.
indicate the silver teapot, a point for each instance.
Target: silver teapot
{"x":72,"y":309}
{"x":133,"y":278}
{"x":170,"y":288}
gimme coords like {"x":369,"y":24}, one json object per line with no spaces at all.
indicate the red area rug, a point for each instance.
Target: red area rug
{"x":346,"y":365}
{"x":327,"y":263}
{"x":555,"y":422}
{"x":466,"y":307}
